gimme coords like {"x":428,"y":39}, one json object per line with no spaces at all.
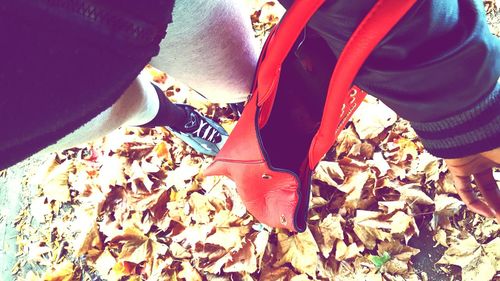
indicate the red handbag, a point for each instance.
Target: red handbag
{"x":276,"y":196}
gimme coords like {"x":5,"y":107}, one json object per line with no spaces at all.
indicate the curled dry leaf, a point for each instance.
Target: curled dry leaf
{"x":300,"y":250}
{"x":243,"y":260}
{"x":380,"y":163}
{"x":346,"y":140}
{"x":373,"y":118}
{"x":478,"y":261}
{"x":279,"y":274}
{"x":201,"y":208}
{"x":327,"y":233}
{"x":344,"y":252}
{"x":445,"y":207}
{"x":228,"y":238}
{"x":329,"y":173}
{"x":105,"y":262}
{"x":188,"y":272}
{"x":375,"y":227}
{"x":412,"y":194}
{"x":60,"y":272}
{"x":54,"y":180}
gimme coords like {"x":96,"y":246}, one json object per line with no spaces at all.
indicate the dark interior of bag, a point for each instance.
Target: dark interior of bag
{"x":297,"y":112}
{"x":299,"y":103}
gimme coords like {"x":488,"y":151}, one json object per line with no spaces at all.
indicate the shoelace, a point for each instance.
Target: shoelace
{"x":204,"y":130}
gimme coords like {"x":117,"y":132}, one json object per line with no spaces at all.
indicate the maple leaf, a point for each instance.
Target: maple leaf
{"x":361,"y":196}
{"x":360,"y":269}
{"x":61,"y":272}
{"x":379,"y":163}
{"x":427,"y":164}
{"x":344,"y":252}
{"x":328,"y":232}
{"x":201,"y":209}
{"x":178,"y":251}
{"x":278,"y":274}
{"x":412,"y":194}
{"x":441,"y":237}
{"x":397,"y":250}
{"x":190,"y":236}
{"x":121,"y":269}
{"x":445,"y":184}
{"x":211,"y":257}
{"x":230,"y":238}
{"x":105,"y":262}
{"x":369,"y":229}
{"x":88,"y":240}
{"x":407,"y":149}
{"x":346,"y":140}
{"x":328,"y":172}
{"x":260,"y":240}
{"x":142,"y":201}
{"x":184,"y":173}
{"x":372,"y":118}
{"x":139,"y":177}
{"x":354,"y":182}
{"x":136,"y":247}
{"x":300,"y":250}
{"x":328,"y":269}
{"x":226,"y":218}
{"x":392,"y":206}
{"x":478,"y":261}
{"x":398,"y":256}
{"x":188,"y":272}
{"x":161,"y":150}
{"x":243,"y":260}
{"x":361,"y":151}
{"x":112,"y":172}
{"x":446,"y":207}
{"x":53,"y":178}
{"x":400,"y":222}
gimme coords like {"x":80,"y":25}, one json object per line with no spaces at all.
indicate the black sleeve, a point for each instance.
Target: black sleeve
{"x":438,"y":68}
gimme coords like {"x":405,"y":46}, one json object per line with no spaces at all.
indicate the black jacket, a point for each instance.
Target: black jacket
{"x":438,"y":68}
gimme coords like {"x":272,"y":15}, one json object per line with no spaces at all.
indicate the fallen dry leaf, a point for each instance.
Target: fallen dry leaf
{"x":60,"y":272}
{"x":300,"y":250}
{"x":478,"y":261}
{"x":372,"y":118}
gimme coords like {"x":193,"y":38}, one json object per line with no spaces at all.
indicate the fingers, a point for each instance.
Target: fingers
{"x":490,"y":191}
{"x":466,"y":193}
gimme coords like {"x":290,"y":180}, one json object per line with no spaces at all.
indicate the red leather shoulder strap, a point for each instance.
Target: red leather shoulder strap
{"x":379,"y":21}
{"x":281,"y":42}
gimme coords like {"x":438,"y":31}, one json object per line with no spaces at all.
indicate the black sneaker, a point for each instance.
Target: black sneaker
{"x":201,"y":133}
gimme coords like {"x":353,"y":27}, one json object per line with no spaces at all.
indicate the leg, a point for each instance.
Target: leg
{"x":214,"y":52}
{"x":138,"y":105}
{"x":143,"y":105}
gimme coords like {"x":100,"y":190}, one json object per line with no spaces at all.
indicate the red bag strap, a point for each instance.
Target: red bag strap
{"x":380,"y":20}
{"x":280,"y":43}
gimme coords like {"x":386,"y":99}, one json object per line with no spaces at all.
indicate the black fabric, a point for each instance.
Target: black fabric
{"x":169,"y":114}
{"x":439,"y":59}
{"x":437,"y":63}
{"x":298,"y":105}
{"x":470,"y":131}
{"x":64,"y":62}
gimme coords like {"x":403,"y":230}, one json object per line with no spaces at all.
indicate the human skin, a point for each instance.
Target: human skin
{"x":479,"y":167}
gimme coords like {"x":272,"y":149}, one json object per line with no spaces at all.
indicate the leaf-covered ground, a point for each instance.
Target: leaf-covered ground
{"x":134,"y":206}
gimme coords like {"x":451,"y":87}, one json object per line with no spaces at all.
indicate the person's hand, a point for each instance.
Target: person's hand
{"x":480,"y":167}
